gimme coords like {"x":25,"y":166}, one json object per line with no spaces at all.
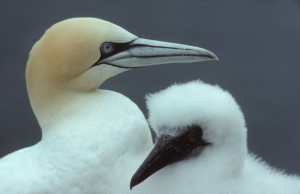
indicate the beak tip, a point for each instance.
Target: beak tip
{"x":209,"y":56}
{"x":213,"y":56}
{"x":133,"y":183}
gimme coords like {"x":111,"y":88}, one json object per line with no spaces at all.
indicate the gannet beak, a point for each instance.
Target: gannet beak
{"x":144,"y":52}
{"x":168,"y":150}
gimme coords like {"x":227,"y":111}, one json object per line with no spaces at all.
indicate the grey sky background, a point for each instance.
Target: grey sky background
{"x":257,"y":41}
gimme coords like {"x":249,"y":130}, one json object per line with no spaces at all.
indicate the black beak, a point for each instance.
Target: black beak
{"x":168,"y":150}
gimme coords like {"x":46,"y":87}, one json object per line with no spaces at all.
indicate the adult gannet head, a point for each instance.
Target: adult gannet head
{"x":77,"y":55}
{"x":194,"y":119}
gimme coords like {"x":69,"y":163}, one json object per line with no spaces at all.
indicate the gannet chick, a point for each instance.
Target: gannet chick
{"x":201,"y":147}
{"x":88,"y":135}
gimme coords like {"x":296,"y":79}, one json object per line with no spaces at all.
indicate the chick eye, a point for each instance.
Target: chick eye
{"x":195,"y":134}
{"x":107,"y":48}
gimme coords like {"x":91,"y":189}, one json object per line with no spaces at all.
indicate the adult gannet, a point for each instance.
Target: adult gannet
{"x":201,"y":147}
{"x":87,"y":134}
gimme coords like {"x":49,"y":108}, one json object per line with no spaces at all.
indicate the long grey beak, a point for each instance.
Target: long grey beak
{"x":143,"y":52}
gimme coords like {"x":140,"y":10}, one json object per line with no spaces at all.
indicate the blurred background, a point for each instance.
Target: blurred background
{"x":257,"y":41}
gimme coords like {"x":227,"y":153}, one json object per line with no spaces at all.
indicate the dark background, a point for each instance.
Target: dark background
{"x":257,"y":41}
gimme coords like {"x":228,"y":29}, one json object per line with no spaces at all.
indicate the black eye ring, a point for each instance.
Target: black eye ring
{"x":107,"y":48}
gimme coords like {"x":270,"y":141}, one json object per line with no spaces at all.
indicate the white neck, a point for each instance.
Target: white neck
{"x":228,"y":158}
{"x":53,"y":99}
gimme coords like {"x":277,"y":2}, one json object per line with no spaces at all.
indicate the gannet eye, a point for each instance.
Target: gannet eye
{"x":107,"y":48}
{"x":194,"y":134}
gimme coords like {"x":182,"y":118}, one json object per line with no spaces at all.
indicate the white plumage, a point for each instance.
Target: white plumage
{"x":88,"y":135}
{"x":223,"y":166}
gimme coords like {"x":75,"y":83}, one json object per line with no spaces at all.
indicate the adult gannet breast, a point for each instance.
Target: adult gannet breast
{"x":88,"y":135}
{"x":201,"y":147}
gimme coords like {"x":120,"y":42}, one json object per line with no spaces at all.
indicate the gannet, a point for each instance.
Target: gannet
{"x":201,"y":147}
{"x":87,"y":134}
